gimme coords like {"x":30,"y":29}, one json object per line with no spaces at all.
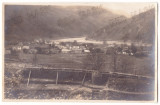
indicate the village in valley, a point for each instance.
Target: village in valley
{"x":40,"y":46}
{"x":79,"y":53}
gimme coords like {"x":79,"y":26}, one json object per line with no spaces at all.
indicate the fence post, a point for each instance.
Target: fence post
{"x":57,"y":78}
{"x":84,"y":78}
{"x":29,"y":77}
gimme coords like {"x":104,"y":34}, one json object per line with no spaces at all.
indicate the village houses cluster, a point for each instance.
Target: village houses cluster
{"x":41,"y":46}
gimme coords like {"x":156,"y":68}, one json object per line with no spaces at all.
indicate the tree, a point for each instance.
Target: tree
{"x":13,"y":23}
{"x":62,"y":43}
{"x":95,"y":60}
{"x":119,"y":49}
{"x":125,"y":37}
{"x":133,"y":48}
{"x":75,"y":43}
{"x":126,"y":64}
{"x":35,"y":59}
{"x":114,"y":57}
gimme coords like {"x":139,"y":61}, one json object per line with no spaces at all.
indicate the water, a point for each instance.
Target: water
{"x":85,"y":40}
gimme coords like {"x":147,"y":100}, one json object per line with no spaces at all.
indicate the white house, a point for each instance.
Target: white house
{"x":17,"y":48}
{"x":86,"y":51}
{"x":65,"y":50}
{"x":25,"y":47}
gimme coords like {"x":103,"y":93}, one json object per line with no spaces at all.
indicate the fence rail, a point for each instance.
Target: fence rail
{"x":90,"y":71}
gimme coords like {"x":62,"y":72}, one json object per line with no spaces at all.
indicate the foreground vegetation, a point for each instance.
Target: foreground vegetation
{"x":115,"y":88}
{"x":124,"y":63}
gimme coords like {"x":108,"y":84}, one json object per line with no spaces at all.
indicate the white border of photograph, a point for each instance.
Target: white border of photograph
{"x":61,"y":1}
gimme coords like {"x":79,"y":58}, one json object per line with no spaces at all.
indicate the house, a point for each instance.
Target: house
{"x":131,"y":54}
{"x":25,"y":47}
{"x":44,"y":46}
{"x":20,"y":44}
{"x":54,"y":51}
{"x":125,"y":53}
{"x":86,"y":51}
{"x":36,"y":41}
{"x":82,"y":47}
{"x":17,"y":48}
{"x":76,"y":51}
{"x":64,"y":50}
{"x":111,"y":45}
{"x":32,"y":51}
{"x":75,"y":47}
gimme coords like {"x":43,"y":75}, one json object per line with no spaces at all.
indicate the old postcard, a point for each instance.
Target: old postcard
{"x":80,"y":51}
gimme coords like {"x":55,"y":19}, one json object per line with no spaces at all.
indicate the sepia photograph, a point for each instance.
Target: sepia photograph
{"x":80,"y":52}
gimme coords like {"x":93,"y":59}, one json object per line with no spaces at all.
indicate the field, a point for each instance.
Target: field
{"x":125,"y":63}
{"x":43,"y":85}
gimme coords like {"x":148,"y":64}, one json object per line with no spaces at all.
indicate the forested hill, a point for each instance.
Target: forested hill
{"x":138,"y":28}
{"x":30,"y":22}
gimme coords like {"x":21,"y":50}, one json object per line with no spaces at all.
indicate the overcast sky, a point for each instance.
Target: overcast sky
{"x":127,"y":8}
{"x":118,"y":8}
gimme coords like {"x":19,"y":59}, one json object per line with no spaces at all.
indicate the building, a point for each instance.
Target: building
{"x":86,"y":51}
{"x":25,"y":47}
{"x":76,"y":51}
{"x":17,"y":48}
{"x":32,"y":51}
{"x":54,"y":51}
{"x":64,"y":50}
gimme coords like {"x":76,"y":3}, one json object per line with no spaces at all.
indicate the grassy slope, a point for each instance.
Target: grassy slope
{"x":137,"y":28}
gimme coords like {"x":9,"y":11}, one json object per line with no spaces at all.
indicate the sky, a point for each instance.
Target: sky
{"x":118,"y":8}
{"x":125,"y":9}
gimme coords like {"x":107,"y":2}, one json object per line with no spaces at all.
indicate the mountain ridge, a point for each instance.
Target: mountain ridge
{"x":31,"y":22}
{"x":140,"y":28}
{"x":25,"y":23}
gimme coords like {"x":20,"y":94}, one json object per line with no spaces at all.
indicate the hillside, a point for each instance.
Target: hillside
{"x":29,"y":22}
{"x":138,"y":28}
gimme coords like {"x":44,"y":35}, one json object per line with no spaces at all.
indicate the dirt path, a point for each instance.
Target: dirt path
{"x":75,"y":87}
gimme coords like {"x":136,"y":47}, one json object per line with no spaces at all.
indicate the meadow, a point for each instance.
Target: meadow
{"x":124,"y":63}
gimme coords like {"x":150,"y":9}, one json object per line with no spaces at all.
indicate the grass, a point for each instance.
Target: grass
{"x":14,"y":79}
{"x":125,"y":63}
